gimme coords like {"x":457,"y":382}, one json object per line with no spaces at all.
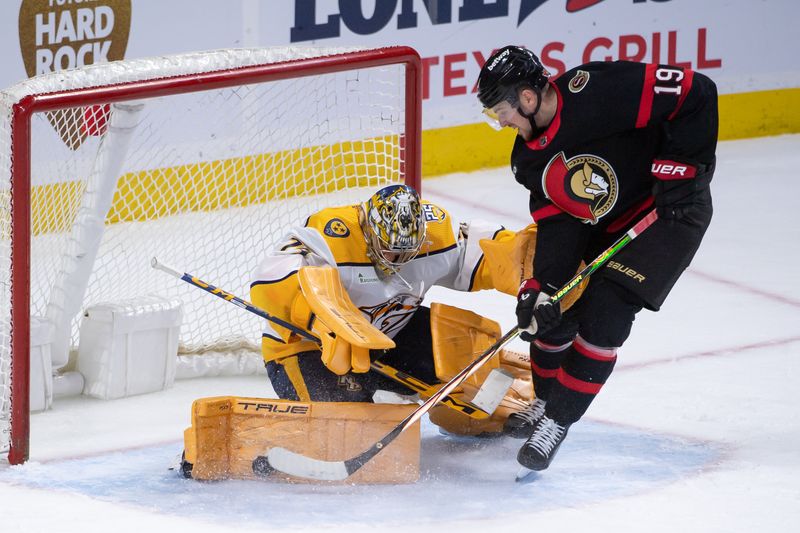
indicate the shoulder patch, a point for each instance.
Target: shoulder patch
{"x":433,"y":213}
{"x":578,"y":81}
{"x":336,"y":228}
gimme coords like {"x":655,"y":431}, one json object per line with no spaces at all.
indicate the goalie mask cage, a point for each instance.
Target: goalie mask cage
{"x":202,"y":159}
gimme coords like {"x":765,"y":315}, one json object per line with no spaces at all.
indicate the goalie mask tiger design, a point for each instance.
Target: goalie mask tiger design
{"x":394,"y":227}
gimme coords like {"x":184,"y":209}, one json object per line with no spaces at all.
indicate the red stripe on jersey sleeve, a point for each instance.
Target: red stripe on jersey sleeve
{"x":646,"y":103}
{"x":686,"y":86}
{"x":544,"y":212}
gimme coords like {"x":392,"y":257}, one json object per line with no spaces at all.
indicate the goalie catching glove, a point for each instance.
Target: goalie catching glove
{"x":339,"y":355}
{"x":346,"y":336}
{"x":535,"y":312}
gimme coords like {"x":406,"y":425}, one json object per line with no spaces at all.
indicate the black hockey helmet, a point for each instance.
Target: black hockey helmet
{"x":506,"y":71}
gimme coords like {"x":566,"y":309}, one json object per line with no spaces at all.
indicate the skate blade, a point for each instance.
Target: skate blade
{"x":526,"y":475}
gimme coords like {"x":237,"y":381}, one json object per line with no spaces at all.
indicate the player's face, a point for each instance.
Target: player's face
{"x":501,"y":115}
{"x":505,"y":115}
{"x":390,"y":256}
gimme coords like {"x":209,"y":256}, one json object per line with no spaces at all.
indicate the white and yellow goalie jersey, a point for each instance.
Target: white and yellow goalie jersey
{"x":334,"y":237}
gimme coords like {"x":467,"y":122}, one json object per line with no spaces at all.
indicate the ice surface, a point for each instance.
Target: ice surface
{"x":697,"y":429}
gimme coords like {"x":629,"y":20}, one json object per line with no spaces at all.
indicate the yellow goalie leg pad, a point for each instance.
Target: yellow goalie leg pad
{"x":229,"y":435}
{"x":517,"y":398}
{"x":459,"y":336}
{"x":346,"y":335}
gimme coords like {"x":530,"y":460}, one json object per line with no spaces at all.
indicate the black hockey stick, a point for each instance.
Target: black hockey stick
{"x":476,"y":410}
{"x":299,"y":465}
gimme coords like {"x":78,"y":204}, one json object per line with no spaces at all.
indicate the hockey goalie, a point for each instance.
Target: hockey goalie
{"x":355,"y":277}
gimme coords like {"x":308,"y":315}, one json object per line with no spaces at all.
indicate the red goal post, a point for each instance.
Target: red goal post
{"x":360,"y":145}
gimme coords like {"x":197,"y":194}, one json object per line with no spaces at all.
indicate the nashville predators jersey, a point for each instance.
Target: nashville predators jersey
{"x":334,"y":237}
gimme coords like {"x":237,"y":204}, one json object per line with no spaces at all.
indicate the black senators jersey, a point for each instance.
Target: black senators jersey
{"x":591,"y":171}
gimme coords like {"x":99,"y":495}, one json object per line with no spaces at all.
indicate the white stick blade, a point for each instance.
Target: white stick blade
{"x":298,"y":465}
{"x":493,"y":390}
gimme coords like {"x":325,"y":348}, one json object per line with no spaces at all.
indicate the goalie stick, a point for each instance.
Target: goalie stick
{"x":487,"y":398}
{"x":485,"y":401}
{"x":299,"y":465}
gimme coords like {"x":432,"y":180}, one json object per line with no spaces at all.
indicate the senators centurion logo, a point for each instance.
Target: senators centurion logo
{"x":585,"y":186}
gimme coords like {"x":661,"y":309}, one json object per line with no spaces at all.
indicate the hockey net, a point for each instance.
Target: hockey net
{"x":203,"y":160}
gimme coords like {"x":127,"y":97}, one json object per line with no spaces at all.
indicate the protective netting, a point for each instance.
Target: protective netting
{"x":207,"y":181}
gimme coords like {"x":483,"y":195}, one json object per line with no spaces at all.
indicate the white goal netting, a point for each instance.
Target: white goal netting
{"x":206,"y":181}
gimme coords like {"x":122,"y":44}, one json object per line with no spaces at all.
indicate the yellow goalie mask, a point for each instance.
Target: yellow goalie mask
{"x":394,"y":226}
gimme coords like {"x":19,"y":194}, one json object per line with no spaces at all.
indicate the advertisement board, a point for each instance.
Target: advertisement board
{"x":748,"y":47}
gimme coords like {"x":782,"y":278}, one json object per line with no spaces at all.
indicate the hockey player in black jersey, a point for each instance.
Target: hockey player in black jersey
{"x":598,"y":148}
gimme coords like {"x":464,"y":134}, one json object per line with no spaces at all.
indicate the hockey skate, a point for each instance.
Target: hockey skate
{"x":540,"y":448}
{"x":520,"y":425}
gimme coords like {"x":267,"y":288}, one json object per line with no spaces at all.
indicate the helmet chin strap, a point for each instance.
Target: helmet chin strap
{"x":531,"y":116}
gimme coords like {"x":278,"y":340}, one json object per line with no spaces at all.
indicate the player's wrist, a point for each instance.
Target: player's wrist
{"x":529,"y":285}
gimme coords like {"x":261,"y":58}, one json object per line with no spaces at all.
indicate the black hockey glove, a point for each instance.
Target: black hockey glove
{"x":677,"y":186}
{"x":535,"y":312}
